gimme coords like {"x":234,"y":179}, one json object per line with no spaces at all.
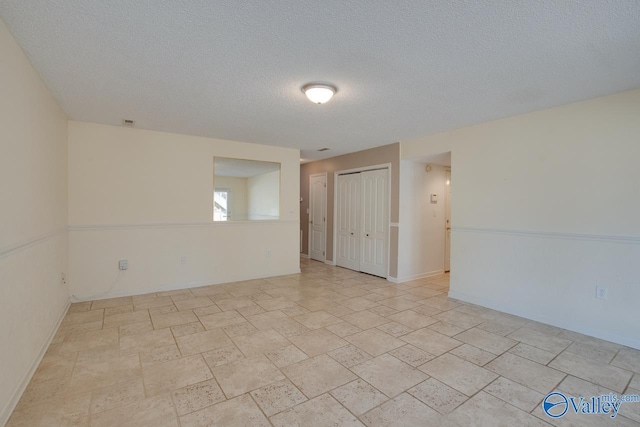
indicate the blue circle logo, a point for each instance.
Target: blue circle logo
{"x":555,"y":404}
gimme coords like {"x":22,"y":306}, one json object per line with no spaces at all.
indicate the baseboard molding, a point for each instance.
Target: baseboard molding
{"x":164,"y":288}
{"x":415,"y":277}
{"x":495,"y":305}
{"x":305,"y":256}
{"x":329,"y":262}
{"x":17,"y":394}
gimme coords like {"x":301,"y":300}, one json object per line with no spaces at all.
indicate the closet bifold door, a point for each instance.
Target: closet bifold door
{"x":374,"y":205}
{"x":348,"y":221}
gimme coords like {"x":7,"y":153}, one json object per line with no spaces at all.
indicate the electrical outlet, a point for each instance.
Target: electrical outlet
{"x":123,"y":264}
{"x":183,"y":260}
{"x":602,"y":292}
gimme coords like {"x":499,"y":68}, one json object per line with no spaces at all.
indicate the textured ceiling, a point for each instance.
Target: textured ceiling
{"x":404,"y":69}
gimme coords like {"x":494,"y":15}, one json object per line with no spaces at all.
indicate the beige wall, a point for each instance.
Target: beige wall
{"x":375,"y":156}
{"x":33,"y":219}
{"x":544,"y":208}
{"x":238,"y":187}
{"x":264,"y":192}
{"x":147,"y":197}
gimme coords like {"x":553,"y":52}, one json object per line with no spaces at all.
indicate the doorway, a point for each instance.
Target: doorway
{"x":318,"y":216}
{"x":447,"y":216}
{"x":362,"y":220}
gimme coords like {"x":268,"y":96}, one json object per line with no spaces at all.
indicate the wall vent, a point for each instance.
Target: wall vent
{"x":323,"y":149}
{"x":128,"y":123}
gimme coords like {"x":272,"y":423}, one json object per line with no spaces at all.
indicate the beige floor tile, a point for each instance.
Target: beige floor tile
{"x":343,"y":329}
{"x":276,"y":303}
{"x":219,"y":320}
{"x":358,"y":304}
{"x":260,"y":342}
{"x":374,"y":342}
{"x":156,"y":411}
{"x":245,"y":375}
{"x":458,"y":318}
{"x":318,"y":375}
{"x":383,"y":310}
{"x":487,"y":341}
{"x":459,"y":374}
{"x":315,"y":304}
{"x":426,"y":310}
{"x":635,"y":382}
{"x":600,"y":352}
{"x":173,"y":319}
{"x":76,"y":328}
{"x":222,"y":356}
{"x":540,"y":340}
{"x":121,"y":394}
{"x":187,"y":329}
{"x":285,"y":356}
{"x":294,"y":310}
{"x":165,"y":309}
{"x":404,"y":411}
{"x":389,"y":375}
{"x":412,"y":319}
{"x":473,"y":354}
{"x":317,"y":342}
{"x":398,"y":303}
{"x":143,"y":302}
{"x":317,"y":319}
{"x":168,"y":376}
{"x":159,"y":355}
{"x":87,"y":340}
{"x":267,"y":320}
{"x":111,"y":302}
{"x":71,"y":410}
{"x":239,"y":412}
{"x":412,"y":355}
{"x":239,"y":329}
{"x":431,"y":341}
{"x":109,"y":311}
{"x":94,"y":373}
{"x":365,"y":319}
{"x":629,"y":359}
{"x":136,"y":328}
{"x":197,"y":396}
{"x":486,"y":410}
{"x":437,"y":395}
{"x":289,"y":327}
{"x":204,"y":311}
{"x":145,"y":341}
{"x":40,"y":392}
{"x":499,"y":328}
{"x":83,"y":317}
{"x":447,"y":329}
{"x":514,"y":394}
{"x":600,"y":373}
{"x":631,"y":410}
{"x":126,"y":318}
{"x":78,"y":307}
{"x":533,"y":353}
{"x":321,"y":411}
{"x":277,"y":397}
{"x":349,"y":355}
{"x":191,"y":303}
{"x":359,"y":396}
{"x":395,"y":329}
{"x":203,"y":341}
{"x":526,"y":372}
{"x":57,"y":365}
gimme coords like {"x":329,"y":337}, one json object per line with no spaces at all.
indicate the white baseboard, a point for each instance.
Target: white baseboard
{"x":329,"y":262}
{"x":17,"y":393}
{"x":415,"y":277}
{"x":305,"y":256}
{"x":495,"y":305}
{"x":170,"y":287}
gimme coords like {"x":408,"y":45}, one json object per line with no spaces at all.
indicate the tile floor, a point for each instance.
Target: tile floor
{"x":325,"y":347}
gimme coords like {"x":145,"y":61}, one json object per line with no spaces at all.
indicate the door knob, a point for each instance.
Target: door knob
{"x":352,"y":234}
{"x":367,"y":234}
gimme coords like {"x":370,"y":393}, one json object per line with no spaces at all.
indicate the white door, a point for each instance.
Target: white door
{"x":317,"y":216}
{"x":447,"y":211}
{"x":375,"y":222}
{"x":348,"y":221}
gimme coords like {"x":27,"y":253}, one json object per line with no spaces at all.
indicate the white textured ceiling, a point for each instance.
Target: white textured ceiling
{"x":404,"y":69}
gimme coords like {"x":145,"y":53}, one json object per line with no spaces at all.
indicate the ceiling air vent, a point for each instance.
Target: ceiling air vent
{"x":323,"y":149}
{"x":128,"y":123}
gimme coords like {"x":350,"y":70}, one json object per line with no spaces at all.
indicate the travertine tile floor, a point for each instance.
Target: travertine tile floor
{"x":325,"y":347}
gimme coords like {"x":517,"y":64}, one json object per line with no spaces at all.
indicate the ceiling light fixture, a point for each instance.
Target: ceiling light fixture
{"x":319,"y":93}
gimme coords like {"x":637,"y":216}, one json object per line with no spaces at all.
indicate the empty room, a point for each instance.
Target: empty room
{"x":319,"y":213}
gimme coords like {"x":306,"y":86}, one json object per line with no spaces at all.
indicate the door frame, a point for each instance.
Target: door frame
{"x":335,"y":208}
{"x":447,"y":230}
{"x":324,"y":212}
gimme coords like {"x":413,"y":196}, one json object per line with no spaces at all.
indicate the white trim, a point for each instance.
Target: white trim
{"x":326,"y":181}
{"x":171,"y":287}
{"x":305,"y":256}
{"x":633,"y":342}
{"x":17,"y":393}
{"x":394,"y":224}
{"x":416,"y":276}
{"x":329,"y":262}
{"x":180,"y":224}
{"x":551,"y":234}
{"x":10,"y":250}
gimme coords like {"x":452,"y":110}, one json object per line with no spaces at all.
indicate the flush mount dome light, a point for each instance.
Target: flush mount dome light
{"x":319,"y":93}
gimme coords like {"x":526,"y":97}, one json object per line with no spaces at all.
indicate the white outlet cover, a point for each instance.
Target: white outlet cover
{"x":602,"y":292}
